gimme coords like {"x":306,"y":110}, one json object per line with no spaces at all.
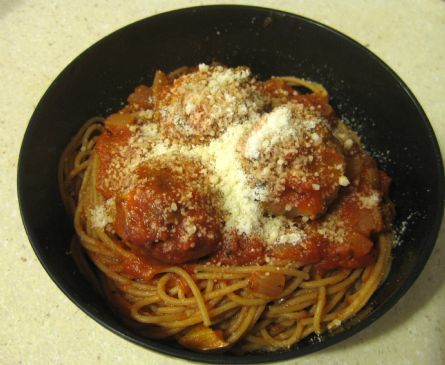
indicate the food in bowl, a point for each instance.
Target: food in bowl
{"x":228,"y":213}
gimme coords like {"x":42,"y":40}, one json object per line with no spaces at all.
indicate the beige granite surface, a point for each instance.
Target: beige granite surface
{"x":39,"y":325}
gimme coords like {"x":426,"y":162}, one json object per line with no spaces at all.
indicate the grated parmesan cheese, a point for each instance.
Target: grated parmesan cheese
{"x":332,"y":229}
{"x":243,"y":212}
{"x":343,"y":180}
{"x":370,"y":201}
{"x":200,"y":106}
{"x":348,"y":143}
{"x":102,"y":214}
{"x":241,"y":202}
{"x":281,"y":230}
{"x":222,"y":103}
{"x":275,"y":129}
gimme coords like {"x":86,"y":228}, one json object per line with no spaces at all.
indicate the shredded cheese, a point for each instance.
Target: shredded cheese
{"x":201,"y":105}
{"x":102,"y":214}
{"x":274,"y":129}
{"x":369,"y":201}
{"x":222,"y":103}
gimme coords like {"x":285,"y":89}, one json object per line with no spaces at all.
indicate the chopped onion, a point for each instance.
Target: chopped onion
{"x":267,"y":283}
{"x":202,"y":338}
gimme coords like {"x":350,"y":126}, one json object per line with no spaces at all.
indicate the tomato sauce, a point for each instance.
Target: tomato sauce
{"x":169,"y":213}
{"x":156,"y":237}
{"x":239,"y":250}
{"x":115,"y":136}
{"x":141,"y":266}
{"x":141,"y":98}
{"x":324,"y":174}
{"x":276,"y":87}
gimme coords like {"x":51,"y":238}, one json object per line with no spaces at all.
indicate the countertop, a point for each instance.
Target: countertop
{"x":39,"y":38}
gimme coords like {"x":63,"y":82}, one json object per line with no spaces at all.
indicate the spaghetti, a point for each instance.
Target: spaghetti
{"x":226,"y":213}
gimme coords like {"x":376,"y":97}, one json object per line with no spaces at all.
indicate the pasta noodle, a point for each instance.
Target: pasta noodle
{"x":260,"y":291}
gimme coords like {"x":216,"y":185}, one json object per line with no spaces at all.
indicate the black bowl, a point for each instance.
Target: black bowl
{"x":364,"y":91}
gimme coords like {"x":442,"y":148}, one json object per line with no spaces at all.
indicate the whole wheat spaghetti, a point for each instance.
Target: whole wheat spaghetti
{"x":227,"y":213}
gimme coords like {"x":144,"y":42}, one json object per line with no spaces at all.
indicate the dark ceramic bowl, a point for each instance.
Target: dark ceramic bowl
{"x":363,"y":90}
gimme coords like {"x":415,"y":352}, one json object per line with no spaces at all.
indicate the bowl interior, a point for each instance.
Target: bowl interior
{"x":363,"y":91}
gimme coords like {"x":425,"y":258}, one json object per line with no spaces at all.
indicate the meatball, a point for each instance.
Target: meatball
{"x":171,"y":212}
{"x":201,"y":105}
{"x":292,"y":155}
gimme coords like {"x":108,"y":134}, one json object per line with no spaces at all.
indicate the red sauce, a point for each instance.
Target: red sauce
{"x":310,"y":192}
{"x":323,"y":173}
{"x":141,"y":266}
{"x":115,"y":136}
{"x":359,"y":223}
{"x":308,"y":253}
{"x":137,"y":264}
{"x":239,"y":250}
{"x":141,"y":98}
{"x":317,"y":101}
{"x":169,"y":214}
{"x":355,"y":250}
{"x":276,"y":87}
{"x":160,"y":236}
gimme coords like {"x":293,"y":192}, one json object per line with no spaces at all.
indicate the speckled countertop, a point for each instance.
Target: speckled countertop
{"x":39,"y":325}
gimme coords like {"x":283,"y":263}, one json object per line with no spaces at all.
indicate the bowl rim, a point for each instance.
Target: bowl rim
{"x":180,"y":353}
